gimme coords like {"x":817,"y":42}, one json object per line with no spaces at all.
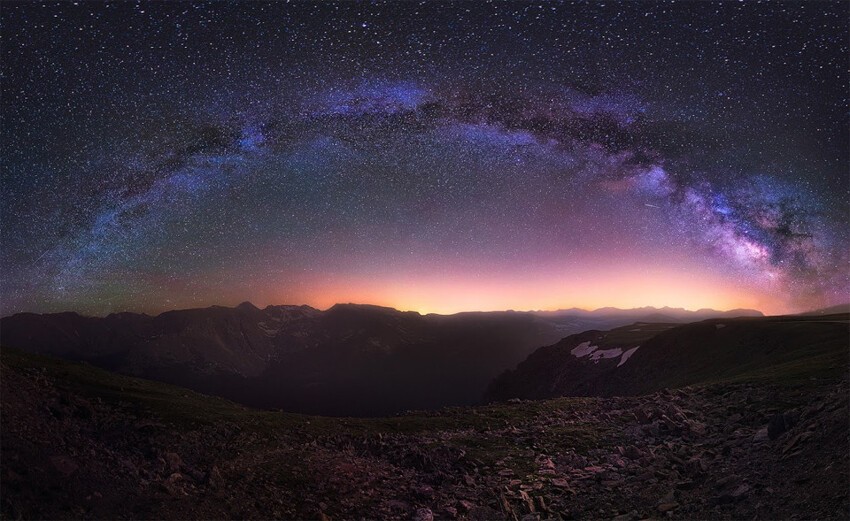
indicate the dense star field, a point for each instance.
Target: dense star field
{"x":436,"y":156}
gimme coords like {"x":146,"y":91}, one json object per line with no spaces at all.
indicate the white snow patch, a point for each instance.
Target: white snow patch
{"x":636,"y":329}
{"x":605,"y":353}
{"x":718,"y":326}
{"x":628,"y":354}
{"x":596,"y":354}
{"x":582,"y":349}
{"x":269,"y":331}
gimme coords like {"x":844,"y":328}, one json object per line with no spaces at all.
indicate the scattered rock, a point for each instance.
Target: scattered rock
{"x":65,"y":465}
{"x":780,"y":423}
{"x":560,"y":482}
{"x":543,"y":467}
{"x":173,"y":461}
{"x":686,"y":485}
{"x":214,"y":478}
{"x":545,"y":462}
{"x":642,"y":416}
{"x":801,"y":437}
{"x":423,"y":491}
{"x":761,"y":435}
{"x":664,"y":507}
{"x":529,"y":503}
{"x":728,"y":482}
{"x":741,"y":491}
{"x":541,"y":504}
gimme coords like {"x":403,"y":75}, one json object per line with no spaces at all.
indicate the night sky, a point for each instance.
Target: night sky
{"x":437,"y":157}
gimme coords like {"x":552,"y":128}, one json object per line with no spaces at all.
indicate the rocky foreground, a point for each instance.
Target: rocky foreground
{"x":78,"y":442}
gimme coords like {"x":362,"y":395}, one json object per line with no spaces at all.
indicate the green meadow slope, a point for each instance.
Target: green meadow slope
{"x":792,"y":348}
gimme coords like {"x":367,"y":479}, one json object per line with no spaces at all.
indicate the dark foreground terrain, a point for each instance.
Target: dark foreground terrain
{"x":80,"y":442}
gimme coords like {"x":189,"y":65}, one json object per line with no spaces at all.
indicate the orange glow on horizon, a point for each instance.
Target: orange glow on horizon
{"x":453,"y":293}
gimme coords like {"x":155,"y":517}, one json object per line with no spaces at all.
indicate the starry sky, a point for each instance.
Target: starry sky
{"x":435,"y":156}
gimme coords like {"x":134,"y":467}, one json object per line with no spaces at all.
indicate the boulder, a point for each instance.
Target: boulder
{"x":174,"y":462}
{"x":423,"y":514}
{"x":779,"y":423}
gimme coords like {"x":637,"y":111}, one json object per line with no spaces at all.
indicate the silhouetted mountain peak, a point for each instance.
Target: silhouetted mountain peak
{"x":290,"y":307}
{"x":367,"y":308}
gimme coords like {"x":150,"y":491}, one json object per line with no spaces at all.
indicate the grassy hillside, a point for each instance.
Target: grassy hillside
{"x":776,"y":349}
{"x":781,"y":349}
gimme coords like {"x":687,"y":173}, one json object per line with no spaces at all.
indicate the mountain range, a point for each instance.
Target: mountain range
{"x":348,"y":360}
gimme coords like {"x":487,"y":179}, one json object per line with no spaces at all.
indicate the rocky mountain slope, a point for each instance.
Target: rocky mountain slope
{"x":642,"y":358}
{"x":347,"y":360}
{"x":79,"y":442}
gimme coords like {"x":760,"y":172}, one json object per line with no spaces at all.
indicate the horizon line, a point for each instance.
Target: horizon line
{"x":420,"y":312}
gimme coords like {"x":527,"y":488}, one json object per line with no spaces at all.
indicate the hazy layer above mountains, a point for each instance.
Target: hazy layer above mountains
{"x":677,"y":313}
